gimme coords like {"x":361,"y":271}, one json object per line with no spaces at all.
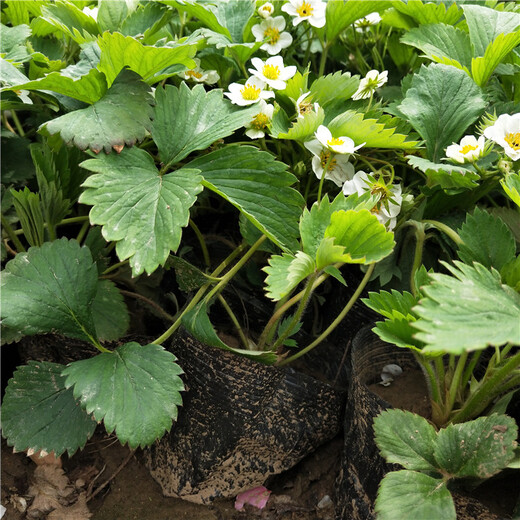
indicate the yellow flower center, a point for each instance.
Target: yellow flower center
{"x":324,"y":159}
{"x":468,"y":148}
{"x":335,"y":141}
{"x":513,"y":140}
{"x":260,"y":121}
{"x":271,"y":71}
{"x":305,"y":10}
{"x":273,"y":35}
{"x":193,"y":74}
{"x":250,"y":92}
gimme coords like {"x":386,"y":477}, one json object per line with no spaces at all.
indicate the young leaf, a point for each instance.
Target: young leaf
{"x":50,"y":288}
{"x":409,"y":494}
{"x":333,"y":88}
{"x":304,"y":127}
{"x":429,"y":12}
{"x":387,"y":304}
{"x":118,"y":52}
{"x":487,"y":240}
{"x":135,"y":390}
{"x":121,"y":117}
{"x":186,"y":120}
{"x":447,"y":176}
{"x":247,"y":178}
{"x":511,"y":185}
{"x":478,"y":448}
{"x":365,"y":239}
{"x":109,"y":312}
{"x":441,"y":103}
{"x":39,"y":413}
{"x":137,"y":207}
{"x":29,"y":211}
{"x":329,"y":253}
{"x":407,"y":439}
{"x":277,"y":285}
{"x":467,"y":311}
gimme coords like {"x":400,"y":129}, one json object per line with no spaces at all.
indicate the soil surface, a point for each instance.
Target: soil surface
{"x":303,"y":493}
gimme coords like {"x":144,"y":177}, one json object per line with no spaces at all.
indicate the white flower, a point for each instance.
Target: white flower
{"x":272,"y":71}
{"x":369,"y":83}
{"x":271,"y":29}
{"x":91,"y":11}
{"x":313,"y":11}
{"x":249,"y":93}
{"x":256,"y":128}
{"x":390,"y":197}
{"x":201,"y":76}
{"x":469,"y":149}
{"x":339,"y":168}
{"x":363,"y":24}
{"x":339,"y":145}
{"x":305,"y":106}
{"x":266,"y":10}
{"x":506,"y":133}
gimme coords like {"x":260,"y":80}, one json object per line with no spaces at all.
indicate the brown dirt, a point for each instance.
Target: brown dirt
{"x":133,"y":495}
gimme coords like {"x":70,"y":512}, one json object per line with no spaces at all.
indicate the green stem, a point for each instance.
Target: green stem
{"x":445,"y":229}
{"x":469,"y":369}
{"x":17,"y":123}
{"x":73,"y":220}
{"x":323,"y":59}
{"x":83,"y":231}
{"x":6,"y":123}
{"x":336,"y":322}
{"x":455,"y":383}
{"x":202,"y":242}
{"x":440,"y":374}
{"x":12,"y":236}
{"x":231,"y":314}
{"x":435,"y":393}
{"x":114,"y":267}
{"x":417,"y":258}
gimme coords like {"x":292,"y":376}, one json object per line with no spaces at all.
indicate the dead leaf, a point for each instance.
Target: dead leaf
{"x":78,"y":511}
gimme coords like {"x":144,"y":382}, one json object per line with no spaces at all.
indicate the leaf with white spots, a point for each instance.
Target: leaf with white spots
{"x":140,"y":209}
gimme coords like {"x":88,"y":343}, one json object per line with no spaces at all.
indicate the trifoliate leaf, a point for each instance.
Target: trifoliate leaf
{"x":50,"y":289}
{"x":247,"y":178}
{"x":187,"y":120}
{"x":39,"y":413}
{"x":447,"y":176}
{"x":135,"y":390}
{"x":407,"y":439}
{"x":118,"y":52}
{"x":388,"y":303}
{"x":487,"y":240}
{"x":467,"y":311}
{"x":441,"y":43}
{"x":198,"y":324}
{"x":121,"y":117}
{"x":365,"y":239}
{"x":478,"y":448}
{"x":410,"y":494}
{"x":109,"y":311}
{"x":369,"y":131}
{"x":441,"y":103}
{"x":140,"y":209}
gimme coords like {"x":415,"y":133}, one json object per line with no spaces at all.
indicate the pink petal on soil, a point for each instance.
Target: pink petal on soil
{"x":256,"y":497}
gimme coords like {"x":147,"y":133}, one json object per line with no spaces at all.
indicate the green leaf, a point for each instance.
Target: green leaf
{"x":29,"y":211}
{"x":247,"y":178}
{"x":430,"y":12}
{"x":71,"y":20}
{"x":277,"y":281}
{"x":304,"y":127}
{"x":329,"y":253}
{"x":467,"y":311}
{"x":410,"y":494}
{"x":135,"y":390}
{"x":407,"y":439}
{"x":483,"y":67}
{"x":438,"y":122}
{"x":89,"y":88}
{"x":296,"y":85}
{"x":39,"y":413}
{"x":441,"y":43}
{"x":399,"y":331}
{"x":486,"y":24}
{"x":510,"y":274}
{"x":121,"y":117}
{"x":333,"y":88}
{"x":137,"y":207}
{"x":147,"y":19}
{"x":10,"y":75}
{"x":186,"y":120}
{"x":478,"y":448}
{"x":511,"y":185}
{"x":111,"y":14}
{"x":365,"y":239}
{"x":369,"y":131}
{"x":187,"y":275}
{"x":50,"y":288}
{"x":234,"y":15}
{"x":109,"y":311}
{"x":12,"y":42}
{"x":118,"y":52}
{"x":341,"y":15}
{"x":487,"y":240}
{"x":447,"y":176}
{"x":389,"y":303}
{"x":198,"y":324}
